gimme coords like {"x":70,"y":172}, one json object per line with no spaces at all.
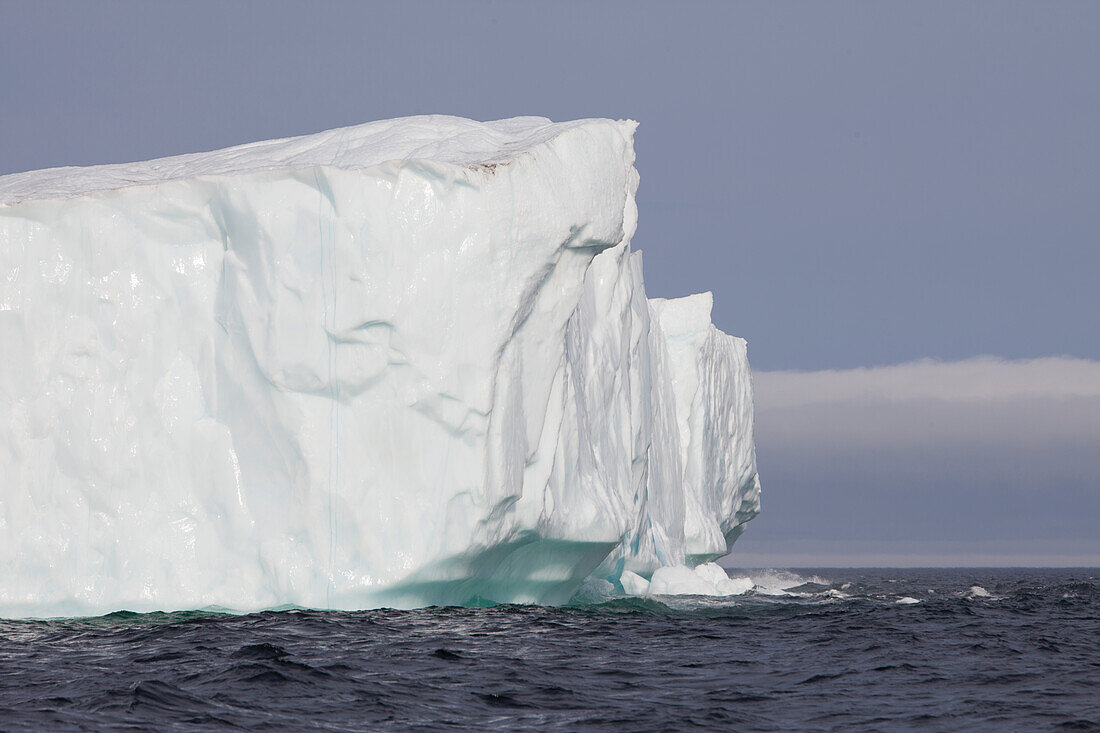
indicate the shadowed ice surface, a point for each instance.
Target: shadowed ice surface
{"x":812,"y":650}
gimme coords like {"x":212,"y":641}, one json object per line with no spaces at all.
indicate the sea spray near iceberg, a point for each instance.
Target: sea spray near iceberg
{"x":404,"y":363}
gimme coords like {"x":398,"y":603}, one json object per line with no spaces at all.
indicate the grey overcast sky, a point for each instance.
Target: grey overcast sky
{"x":859,"y":183}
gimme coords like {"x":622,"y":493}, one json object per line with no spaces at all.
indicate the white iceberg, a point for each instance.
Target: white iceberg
{"x":402,"y":363}
{"x":633,"y":584}
{"x":707,"y":579}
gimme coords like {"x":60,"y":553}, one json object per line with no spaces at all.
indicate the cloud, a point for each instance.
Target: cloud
{"x":929,"y":454}
{"x":980,"y":401}
{"x":795,"y":553}
{"x":982,"y":378}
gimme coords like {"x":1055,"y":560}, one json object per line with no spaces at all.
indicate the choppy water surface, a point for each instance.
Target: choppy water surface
{"x":812,"y":650}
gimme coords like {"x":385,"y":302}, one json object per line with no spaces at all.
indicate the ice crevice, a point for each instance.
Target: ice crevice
{"x":404,"y":363}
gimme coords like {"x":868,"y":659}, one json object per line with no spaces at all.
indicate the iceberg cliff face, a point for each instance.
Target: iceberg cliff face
{"x":403,"y":363}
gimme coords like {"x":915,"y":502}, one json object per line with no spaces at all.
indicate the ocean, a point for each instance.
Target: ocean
{"x":809,"y":649}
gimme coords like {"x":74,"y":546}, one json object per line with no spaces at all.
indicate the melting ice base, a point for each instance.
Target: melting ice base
{"x":406,"y":363}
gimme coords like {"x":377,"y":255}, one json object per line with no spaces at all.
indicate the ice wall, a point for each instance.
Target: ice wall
{"x":402,"y":363}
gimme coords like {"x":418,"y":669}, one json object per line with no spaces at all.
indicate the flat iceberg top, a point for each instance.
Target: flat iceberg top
{"x":442,"y":138}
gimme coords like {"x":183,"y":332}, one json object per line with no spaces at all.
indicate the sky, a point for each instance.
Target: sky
{"x":865,"y":186}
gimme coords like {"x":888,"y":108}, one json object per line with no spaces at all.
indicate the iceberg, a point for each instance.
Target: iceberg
{"x":405,"y":363}
{"x":707,"y":579}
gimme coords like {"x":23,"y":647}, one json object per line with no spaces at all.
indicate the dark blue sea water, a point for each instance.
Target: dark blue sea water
{"x":841,"y":650}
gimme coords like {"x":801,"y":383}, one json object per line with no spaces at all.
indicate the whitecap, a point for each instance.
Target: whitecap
{"x":783,"y":583}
